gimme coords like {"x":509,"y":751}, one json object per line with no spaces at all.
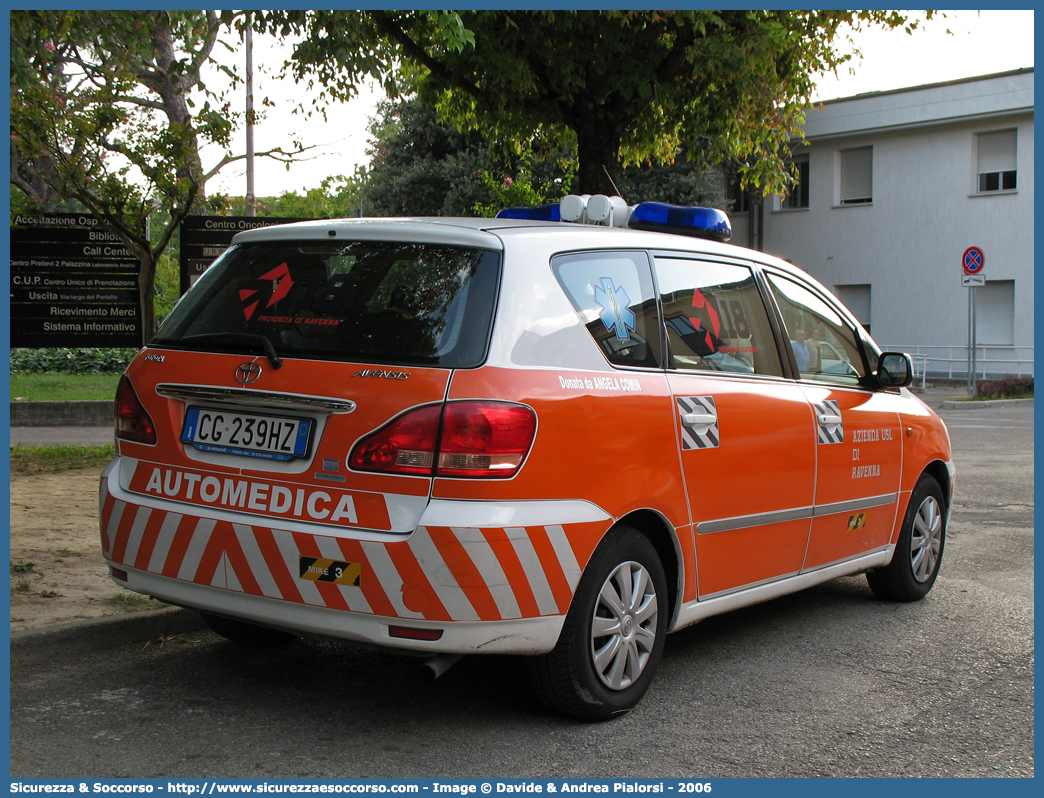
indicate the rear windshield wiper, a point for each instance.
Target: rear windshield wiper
{"x":240,"y":338}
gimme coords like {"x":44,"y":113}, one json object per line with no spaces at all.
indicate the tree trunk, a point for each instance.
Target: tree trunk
{"x":147,"y":295}
{"x":598,"y":149}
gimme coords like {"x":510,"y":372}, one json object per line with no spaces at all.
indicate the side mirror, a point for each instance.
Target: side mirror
{"x":895,"y":369}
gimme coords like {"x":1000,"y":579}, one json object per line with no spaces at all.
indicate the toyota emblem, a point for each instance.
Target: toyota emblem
{"x":248,"y":373}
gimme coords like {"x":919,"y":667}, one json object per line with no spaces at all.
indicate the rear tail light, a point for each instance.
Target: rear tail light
{"x":406,"y":446}
{"x":485,"y":440}
{"x":133,"y":422}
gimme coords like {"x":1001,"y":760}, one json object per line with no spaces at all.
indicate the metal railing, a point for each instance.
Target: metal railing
{"x":952,"y":361}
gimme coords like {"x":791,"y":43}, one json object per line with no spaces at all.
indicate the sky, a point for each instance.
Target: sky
{"x":978,"y":43}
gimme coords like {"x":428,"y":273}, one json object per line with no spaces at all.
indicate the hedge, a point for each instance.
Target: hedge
{"x":1004,"y":388}
{"x":71,"y":361}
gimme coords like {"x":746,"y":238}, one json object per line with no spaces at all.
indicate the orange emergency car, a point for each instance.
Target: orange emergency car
{"x":563,"y":432}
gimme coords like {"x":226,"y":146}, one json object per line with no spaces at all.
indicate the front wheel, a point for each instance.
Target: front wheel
{"x":613,"y":635}
{"x":918,"y":554}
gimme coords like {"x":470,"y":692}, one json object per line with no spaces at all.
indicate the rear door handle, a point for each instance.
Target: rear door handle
{"x":698,"y":419}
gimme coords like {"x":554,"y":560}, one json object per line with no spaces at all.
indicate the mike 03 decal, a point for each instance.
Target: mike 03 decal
{"x":320,"y":569}
{"x":856,"y":522}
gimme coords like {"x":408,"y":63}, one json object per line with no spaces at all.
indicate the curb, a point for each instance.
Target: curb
{"x":84,"y":413}
{"x":35,"y":646}
{"x":969,"y":405}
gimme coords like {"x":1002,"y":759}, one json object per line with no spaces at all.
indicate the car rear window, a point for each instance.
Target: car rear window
{"x":369,"y":301}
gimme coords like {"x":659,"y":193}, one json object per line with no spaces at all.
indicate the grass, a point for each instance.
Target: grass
{"x":52,"y":459}
{"x":58,"y":387}
{"x":1000,"y":398}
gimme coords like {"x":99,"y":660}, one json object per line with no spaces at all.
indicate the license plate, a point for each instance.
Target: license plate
{"x":247,"y":434}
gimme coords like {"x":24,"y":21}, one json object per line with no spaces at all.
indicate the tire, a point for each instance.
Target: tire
{"x":246,"y":634}
{"x":918,"y":554}
{"x":613,"y":634}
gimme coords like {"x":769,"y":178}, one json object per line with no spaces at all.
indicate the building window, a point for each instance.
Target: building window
{"x":997,"y":152}
{"x":857,"y":299}
{"x":995,"y":313}
{"x":738,"y":197}
{"x":857,"y":176}
{"x":798,"y":196}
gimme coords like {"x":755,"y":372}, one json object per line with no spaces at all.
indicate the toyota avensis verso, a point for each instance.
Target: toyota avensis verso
{"x":563,"y":432}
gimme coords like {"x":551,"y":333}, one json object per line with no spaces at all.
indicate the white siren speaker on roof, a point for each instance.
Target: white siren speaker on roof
{"x":596,"y":209}
{"x":608,"y":211}
{"x":573,"y":208}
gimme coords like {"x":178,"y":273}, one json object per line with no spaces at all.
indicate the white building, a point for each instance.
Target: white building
{"x":895,"y":187}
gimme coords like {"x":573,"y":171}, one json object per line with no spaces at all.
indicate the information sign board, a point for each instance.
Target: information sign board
{"x":73,"y":284}
{"x":204,"y":238}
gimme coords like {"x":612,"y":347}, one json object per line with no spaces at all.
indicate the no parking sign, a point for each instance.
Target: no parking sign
{"x":973,"y":262}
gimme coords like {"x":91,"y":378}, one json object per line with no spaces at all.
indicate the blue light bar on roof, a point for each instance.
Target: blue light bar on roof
{"x":539,"y":213}
{"x":688,"y":220}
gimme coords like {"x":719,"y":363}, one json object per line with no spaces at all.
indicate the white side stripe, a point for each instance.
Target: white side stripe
{"x":570,"y":567}
{"x":481,"y":553}
{"x":196,"y":547}
{"x":114,"y":525}
{"x":141,"y":518}
{"x":453,"y":598}
{"x":256,"y":560}
{"x":292,"y":557}
{"x":231,"y":580}
{"x":163,"y":541}
{"x":388,"y":576}
{"x":538,"y":583}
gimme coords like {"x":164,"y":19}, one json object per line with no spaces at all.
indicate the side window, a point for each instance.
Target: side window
{"x":613,"y":294}
{"x":715,"y":317}
{"x":824,"y":345}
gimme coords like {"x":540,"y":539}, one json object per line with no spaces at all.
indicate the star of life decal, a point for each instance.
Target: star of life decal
{"x":616,"y":313}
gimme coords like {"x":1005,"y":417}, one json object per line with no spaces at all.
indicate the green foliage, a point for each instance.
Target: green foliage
{"x":71,"y":361}
{"x":524,"y":188}
{"x":336,"y":197}
{"x":420,"y":167}
{"x":110,"y":109}
{"x":52,"y":459}
{"x":1004,"y":388}
{"x":616,"y":87}
{"x":22,"y":567}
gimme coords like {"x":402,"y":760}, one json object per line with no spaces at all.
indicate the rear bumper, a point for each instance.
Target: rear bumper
{"x":519,"y":636}
{"x":490,"y":577}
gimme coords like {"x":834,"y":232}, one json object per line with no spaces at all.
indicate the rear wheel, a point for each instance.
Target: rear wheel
{"x":246,"y":634}
{"x":915,"y":564}
{"x":613,"y":635}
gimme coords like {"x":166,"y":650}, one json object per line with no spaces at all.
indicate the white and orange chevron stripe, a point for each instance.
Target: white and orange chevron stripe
{"x":439,"y":573}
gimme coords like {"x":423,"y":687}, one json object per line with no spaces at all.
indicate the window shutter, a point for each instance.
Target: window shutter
{"x":857,"y":176}
{"x":997,"y":151}
{"x":995,"y":313}
{"x":857,"y":299}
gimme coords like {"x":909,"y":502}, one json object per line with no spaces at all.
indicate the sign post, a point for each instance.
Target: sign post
{"x":973,"y":262}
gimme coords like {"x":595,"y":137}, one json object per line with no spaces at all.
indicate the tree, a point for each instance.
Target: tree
{"x":103,"y":112}
{"x":335,"y":197}
{"x":620,"y":87}
{"x":419,"y":167}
